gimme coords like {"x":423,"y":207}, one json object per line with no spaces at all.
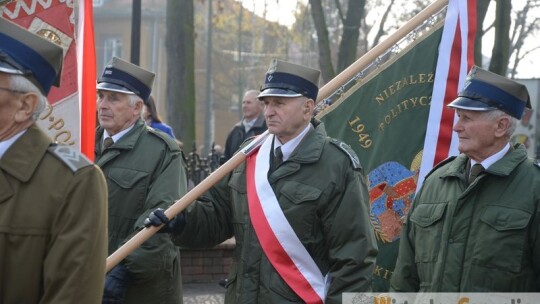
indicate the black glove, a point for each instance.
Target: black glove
{"x":157,"y":218}
{"x":116,"y":284}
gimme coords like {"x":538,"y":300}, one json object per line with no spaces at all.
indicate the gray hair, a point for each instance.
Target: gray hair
{"x":494,"y":114}
{"x":22,"y":84}
{"x":133,"y":99}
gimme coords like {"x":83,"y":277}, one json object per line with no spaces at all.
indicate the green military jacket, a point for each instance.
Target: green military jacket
{"x":479,"y":238}
{"x":326,"y":201}
{"x":144,"y":171}
{"x":53,"y":224}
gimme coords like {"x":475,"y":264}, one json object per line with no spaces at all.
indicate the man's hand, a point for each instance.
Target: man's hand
{"x":116,"y":284}
{"x":157,"y":218}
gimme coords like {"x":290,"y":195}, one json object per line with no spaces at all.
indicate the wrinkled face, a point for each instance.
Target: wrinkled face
{"x":251,"y":105}
{"x":286,"y":117}
{"x":16,"y":109}
{"x":115,"y":112}
{"x":479,"y":134}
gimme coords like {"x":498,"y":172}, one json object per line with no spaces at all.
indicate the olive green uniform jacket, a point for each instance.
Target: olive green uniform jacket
{"x":480,"y":238}
{"x":53,"y":224}
{"x":326,"y":201}
{"x":144,"y":171}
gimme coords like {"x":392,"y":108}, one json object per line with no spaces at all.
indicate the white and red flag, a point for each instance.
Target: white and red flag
{"x":71,"y":113}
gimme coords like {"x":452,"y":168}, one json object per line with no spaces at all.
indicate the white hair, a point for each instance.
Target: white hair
{"x":494,"y":114}
{"x":133,"y":99}
{"x":22,"y":84}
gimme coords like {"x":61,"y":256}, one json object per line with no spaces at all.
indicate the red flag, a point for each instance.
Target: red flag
{"x":86,"y":63}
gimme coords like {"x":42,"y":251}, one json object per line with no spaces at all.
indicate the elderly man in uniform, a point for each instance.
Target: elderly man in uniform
{"x":475,"y":224}
{"x":53,"y":200}
{"x":298,"y":208}
{"x":144,"y":169}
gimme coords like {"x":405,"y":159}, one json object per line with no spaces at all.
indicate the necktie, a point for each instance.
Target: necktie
{"x":107,"y":143}
{"x":279,"y":157}
{"x":475,"y":170}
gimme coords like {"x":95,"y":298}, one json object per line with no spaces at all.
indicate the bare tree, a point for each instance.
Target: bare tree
{"x":501,"y":46}
{"x":180,"y":69}
{"x":323,"y":43}
{"x":481,"y":11}
{"x":523,"y":28}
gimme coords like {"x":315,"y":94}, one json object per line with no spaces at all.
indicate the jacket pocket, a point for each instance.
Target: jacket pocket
{"x":300,"y":203}
{"x":298,"y":193}
{"x":127,"y":192}
{"x":428,"y":230}
{"x":501,"y":233}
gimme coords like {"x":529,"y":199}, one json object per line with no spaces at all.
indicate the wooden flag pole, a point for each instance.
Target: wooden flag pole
{"x":181,"y":204}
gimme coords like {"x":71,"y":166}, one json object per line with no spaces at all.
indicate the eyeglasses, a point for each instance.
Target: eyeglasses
{"x":12,"y":91}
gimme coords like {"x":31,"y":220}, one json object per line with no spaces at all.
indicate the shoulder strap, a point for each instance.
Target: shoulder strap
{"x":442,"y":163}
{"x":348,"y":151}
{"x":70,"y":157}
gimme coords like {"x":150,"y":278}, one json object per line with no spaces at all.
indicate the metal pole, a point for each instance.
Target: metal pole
{"x":209,"y":121}
{"x":136,"y":32}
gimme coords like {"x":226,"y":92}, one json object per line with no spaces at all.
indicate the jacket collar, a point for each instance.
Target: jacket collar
{"x":308,"y":151}
{"x":23,"y":157}
{"x":127,"y":142}
{"x":502,"y":167}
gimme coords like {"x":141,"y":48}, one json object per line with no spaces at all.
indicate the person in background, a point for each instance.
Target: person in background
{"x":252,"y":124}
{"x":475,"y":223}
{"x":144,"y":170}
{"x":152,"y":118}
{"x":53,"y":200}
{"x":298,"y":207}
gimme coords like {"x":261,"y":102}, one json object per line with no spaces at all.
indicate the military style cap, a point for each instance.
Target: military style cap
{"x":285,"y":79}
{"x":25,"y":53}
{"x":125,"y":77}
{"x":486,"y":91}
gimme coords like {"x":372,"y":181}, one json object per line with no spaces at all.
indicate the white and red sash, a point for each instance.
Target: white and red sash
{"x":276,"y":236}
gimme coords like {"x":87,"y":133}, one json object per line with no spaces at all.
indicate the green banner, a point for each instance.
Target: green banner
{"x":383,"y":118}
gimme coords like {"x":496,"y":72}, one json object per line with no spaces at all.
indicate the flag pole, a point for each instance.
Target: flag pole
{"x":181,"y":204}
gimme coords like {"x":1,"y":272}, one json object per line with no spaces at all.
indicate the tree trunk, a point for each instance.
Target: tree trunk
{"x":351,"y":31}
{"x":181,"y":70}
{"x":481,"y":10}
{"x":500,"y":54}
{"x":325,"y":55}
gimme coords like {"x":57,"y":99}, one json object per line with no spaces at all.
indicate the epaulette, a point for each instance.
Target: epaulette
{"x":70,"y":157}
{"x":442,"y":163}
{"x":173,"y":145}
{"x":350,"y":152}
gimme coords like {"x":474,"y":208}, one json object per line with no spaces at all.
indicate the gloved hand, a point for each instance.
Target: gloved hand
{"x":158,"y":217}
{"x":116,"y":284}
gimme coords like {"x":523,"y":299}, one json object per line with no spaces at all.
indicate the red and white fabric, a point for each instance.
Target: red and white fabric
{"x":278,"y":240}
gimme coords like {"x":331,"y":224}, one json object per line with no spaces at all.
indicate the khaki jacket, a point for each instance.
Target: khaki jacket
{"x":144,"y":171}
{"x":479,"y":238}
{"x":325,"y":199}
{"x":53,"y":224}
